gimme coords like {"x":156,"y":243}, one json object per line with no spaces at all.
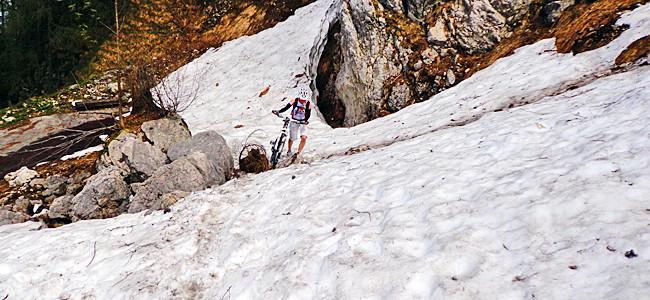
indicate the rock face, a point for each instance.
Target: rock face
{"x":62,"y":207}
{"x":395,"y":53}
{"x":10,"y":217}
{"x":164,"y":133}
{"x":188,"y":173}
{"x":23,"y":176}
{"x":210,"y":143}
{"x":131,"y":154}
{"x":202,"y":161}
{"x":104,"y":196}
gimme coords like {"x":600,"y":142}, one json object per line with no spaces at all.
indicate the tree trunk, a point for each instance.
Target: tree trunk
{"x":120,"y":67}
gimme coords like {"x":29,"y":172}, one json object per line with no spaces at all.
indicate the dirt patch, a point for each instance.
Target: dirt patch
{"x":582,"y":27}
{"x":254,"y":162}
{"x":635,"y":51}
{"x":586,"y":27}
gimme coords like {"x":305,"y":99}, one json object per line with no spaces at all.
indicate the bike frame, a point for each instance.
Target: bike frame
{"x":277,"y":145}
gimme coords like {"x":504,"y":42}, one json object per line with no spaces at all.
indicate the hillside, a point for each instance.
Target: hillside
{"x":528,"y":180}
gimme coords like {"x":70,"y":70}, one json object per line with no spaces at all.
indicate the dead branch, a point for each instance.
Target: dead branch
{"x":178,"y":91}
{"x":94,"y":252}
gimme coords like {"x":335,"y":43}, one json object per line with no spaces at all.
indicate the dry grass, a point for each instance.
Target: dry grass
{"x":635,"y":51}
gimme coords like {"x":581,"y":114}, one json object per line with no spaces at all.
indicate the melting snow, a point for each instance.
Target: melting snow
{"x":541,"y":200}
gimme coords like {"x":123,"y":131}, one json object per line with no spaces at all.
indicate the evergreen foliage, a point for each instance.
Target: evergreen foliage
{"x":45,"y":44}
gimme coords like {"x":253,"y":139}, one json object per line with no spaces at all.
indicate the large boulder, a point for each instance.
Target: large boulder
{"x":131,"y":154}
{"x":10,"y":217}
{"x":384,"y":44}
{"x":104,"y":195}
{"x":210,"y":143}
{"x":54,"y":185}
{"x":164,"y":133}
{"x":189,"y":173}
{"x":62,"y":207}
{"x":23,"y":176}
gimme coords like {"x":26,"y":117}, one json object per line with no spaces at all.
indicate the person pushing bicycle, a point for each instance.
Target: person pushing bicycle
{"x":300,"y":113}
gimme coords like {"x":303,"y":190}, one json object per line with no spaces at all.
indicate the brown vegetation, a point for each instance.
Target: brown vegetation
{"x":582,"y":27}
{"x":160,"y":36}
{"x":640,"y":48}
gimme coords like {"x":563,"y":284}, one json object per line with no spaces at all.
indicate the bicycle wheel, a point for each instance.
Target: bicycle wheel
{"x":277,"y":151}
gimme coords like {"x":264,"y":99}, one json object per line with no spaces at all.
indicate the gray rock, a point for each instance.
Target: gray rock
{"x":212,"y":144}
{"x":374,"y":53}
{"x":62,"y":207}
{"x":54,"y":185}
{"x":37,"y":182}
{"x":103,"y":196}
{"x":399,"y":98}
{"x":9,"y":217}
{"x":129,"y":153}
{"x":437,"y":34}
{"x":22,"y":205}
{"x":23,"y":176}
{"x":451,"y":77}
{"x":189,"y":173}
{"x":429,"y":56}
{"x":164,"y":133}
{"x":553,"y":10}
{"x":371,"y":56}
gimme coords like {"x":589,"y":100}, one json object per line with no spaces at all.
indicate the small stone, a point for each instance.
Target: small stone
{"x":23,"y":176}
{"x":37,"y":182}
{"x":630,"y":254}
{"x":451,"y":77}
{"x":22,"y":205}
{"x":437,"y":33}
{"x":418,"y":65}
{"x":429,"y":56}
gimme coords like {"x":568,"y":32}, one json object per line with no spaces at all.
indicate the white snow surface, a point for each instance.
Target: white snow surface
{"x":83,"y":152}
{"x":492,"y":205}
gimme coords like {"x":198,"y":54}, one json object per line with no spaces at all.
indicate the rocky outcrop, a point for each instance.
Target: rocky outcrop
{"x":134,"y":156}
{"x":164,"y":133}
{"x":204,"y":160}
{"x":10,"y":217}
{"x":190,"y":173}
{"x":23,"y":176}
{"x":210,"y":143}
{"x":62,"y":208}
{"x":104,"y":196}
{"x":395,"y":53}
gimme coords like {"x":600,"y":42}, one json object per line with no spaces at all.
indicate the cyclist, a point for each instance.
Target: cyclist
{"x":300,"y":113}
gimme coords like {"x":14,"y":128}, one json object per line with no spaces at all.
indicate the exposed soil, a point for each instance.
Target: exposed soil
{"x":255,"y":162}
{"x":635,"y":51}
{"x":586,"y":27}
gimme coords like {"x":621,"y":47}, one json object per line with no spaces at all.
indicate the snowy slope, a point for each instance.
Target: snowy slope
{"x":495,"y":207}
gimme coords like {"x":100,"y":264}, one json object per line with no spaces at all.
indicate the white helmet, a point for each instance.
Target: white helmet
{"x":304,"y":94}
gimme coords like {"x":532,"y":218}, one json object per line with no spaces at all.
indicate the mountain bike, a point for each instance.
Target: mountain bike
{"x":277,"y":145}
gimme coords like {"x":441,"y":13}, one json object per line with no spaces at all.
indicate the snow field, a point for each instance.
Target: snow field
{"x":498,"y":208}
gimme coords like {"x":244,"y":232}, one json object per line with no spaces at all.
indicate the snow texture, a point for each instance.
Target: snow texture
{"x":84,"y":152}
{"x":540,"y":200}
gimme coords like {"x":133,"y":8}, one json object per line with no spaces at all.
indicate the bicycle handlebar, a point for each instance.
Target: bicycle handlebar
{"x":292,"y":121}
